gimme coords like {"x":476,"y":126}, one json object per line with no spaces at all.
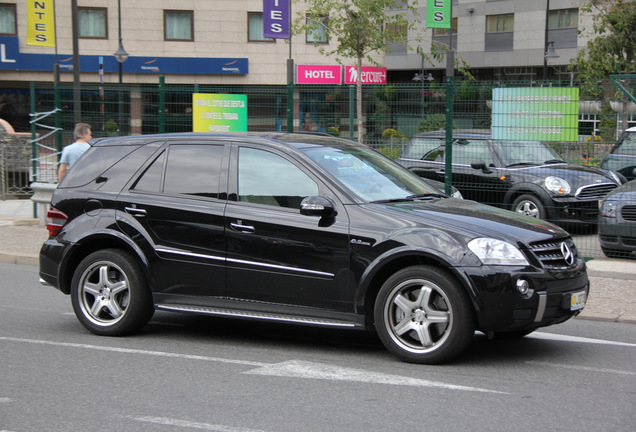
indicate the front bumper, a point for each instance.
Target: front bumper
{"x":617,"y":234}
{"x":501,"y":307}
{"x":573,"y":210}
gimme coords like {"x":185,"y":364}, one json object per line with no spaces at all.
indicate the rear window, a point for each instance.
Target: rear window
{"x":425,"y":149}
{"x":94,"y":163}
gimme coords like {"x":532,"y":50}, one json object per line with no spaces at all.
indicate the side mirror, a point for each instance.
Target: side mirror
{"x":317,"y":206}
{"x":479,"y":165}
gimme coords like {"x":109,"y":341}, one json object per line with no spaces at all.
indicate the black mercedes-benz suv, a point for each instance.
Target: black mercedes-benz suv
{"x":298,"y":228}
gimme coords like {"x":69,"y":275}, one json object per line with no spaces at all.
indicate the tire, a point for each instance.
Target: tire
{"x":422,"y":315}
{"x":110,"y":295}
{"x":529,"y":205}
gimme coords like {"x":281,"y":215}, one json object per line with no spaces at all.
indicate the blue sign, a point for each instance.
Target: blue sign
{"x":276,"y":19}
{"x":12,"y":59}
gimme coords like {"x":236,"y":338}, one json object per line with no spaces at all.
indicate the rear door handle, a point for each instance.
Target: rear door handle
{"x":242,"y":228}
{"x":135,"y":211}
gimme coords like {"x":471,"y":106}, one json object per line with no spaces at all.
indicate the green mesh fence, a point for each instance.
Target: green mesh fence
{"x":579,"y":123}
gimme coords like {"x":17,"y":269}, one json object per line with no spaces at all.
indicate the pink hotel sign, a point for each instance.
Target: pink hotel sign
{"x":319,"y":74}
{"x":325,"y":74}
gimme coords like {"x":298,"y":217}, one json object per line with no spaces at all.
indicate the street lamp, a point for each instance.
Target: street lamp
{"x":548,"y":47}
{"x":419,"y":76}
{"x":121,"y":55}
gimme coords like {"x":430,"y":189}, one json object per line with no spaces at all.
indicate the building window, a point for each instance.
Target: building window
{"x":255,"y":28}
{"x":178,"y":25}
{"x":563,"y":18}
{"x":7,"y":19}
{"x":500,"y":32}
{"x":92,"y":23}
{"x":500,"y":23}
{"x":317,"y":30}
{"x":444,"y":31}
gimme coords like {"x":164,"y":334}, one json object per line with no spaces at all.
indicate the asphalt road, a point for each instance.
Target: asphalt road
{"x":186,"y":373}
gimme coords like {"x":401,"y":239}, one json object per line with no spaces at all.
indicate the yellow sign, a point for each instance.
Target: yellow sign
{"x":41,"y":23}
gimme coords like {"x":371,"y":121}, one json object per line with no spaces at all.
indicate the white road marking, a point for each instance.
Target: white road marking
{"x":5,"y":400}
{"x":582,"y":368}
{"x":134,"y":351}
{"x":192,"y":425}
{"x":297,"y":369}
{"x":564,"y":338}
{"x":303,"y":369}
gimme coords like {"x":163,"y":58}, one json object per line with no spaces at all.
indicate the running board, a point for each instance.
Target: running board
{"x":255,"y":315}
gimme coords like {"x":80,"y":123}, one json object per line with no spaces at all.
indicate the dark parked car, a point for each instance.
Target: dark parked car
{"x":526,"y":177}
{"x":298,"y":228}
{"x":622,"y":157}
{"x":617,"y":222}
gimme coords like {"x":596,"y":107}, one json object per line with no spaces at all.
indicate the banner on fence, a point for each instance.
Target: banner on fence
{"x":219,"y":112}
{"x":535,"y":113}
{"x":41,"y":23}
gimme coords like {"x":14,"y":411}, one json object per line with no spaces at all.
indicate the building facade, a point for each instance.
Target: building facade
{"x":221,"y":42}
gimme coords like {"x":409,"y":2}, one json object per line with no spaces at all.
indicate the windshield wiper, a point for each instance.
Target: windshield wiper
{"x":426,"y":196}
{"x":521,"y":164}
{"x":554,"y":161}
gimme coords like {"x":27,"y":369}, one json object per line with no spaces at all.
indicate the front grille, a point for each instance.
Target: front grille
{"x":550,"y":254}
{"x":595,"y":191}
{"x":628,"y":213}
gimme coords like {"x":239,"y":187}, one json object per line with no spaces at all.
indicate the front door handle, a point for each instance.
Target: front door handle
{"x":242,"y":228}
{"x":136,"y":212}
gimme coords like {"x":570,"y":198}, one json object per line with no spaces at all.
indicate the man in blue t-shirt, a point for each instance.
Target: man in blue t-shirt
{"x":71,"y":153}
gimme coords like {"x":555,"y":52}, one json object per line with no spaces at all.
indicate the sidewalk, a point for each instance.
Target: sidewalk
{"x":613,"y":282}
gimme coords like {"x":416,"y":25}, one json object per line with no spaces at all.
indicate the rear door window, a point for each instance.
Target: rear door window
{"x":190,"y":169}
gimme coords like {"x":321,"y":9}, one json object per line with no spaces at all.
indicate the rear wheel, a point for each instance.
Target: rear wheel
{"x":109,"y":293}
{"x":423,"y":315}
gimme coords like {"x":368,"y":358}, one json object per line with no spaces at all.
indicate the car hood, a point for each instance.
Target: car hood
{"x":471,"y":219}
{"x":622,"y":191}
{"x":576,"y":175}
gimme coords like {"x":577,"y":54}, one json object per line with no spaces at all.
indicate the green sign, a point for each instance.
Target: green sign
{"x":438,"y":14}
{"x":535,"y":113}
{"x":219,"y":112}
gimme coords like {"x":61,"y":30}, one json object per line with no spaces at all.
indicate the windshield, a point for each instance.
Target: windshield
{"x":525,"y":153}
{"x":368,"y":174}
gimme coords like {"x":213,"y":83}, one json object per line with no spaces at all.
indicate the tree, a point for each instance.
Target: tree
{"x":613,"y":50}
{"x":360,"y":28}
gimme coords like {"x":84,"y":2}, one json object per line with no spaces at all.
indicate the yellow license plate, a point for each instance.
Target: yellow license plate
{"x":578,"y":300}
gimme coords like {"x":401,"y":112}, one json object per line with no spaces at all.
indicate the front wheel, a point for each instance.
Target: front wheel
{"x":529,"y":205}
{"x":109,"y":293}
{"x":423,"y":315}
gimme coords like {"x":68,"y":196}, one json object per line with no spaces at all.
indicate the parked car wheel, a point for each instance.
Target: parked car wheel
{"x":422,"y":315}
{"x":109,"y":293}
{"x":529,"y":205}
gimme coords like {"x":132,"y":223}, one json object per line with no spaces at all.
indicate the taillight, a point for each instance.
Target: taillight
{"x":55,"y":220}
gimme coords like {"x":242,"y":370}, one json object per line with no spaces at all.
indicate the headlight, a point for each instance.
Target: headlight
{"x":557,"y":185}
{"x":607,"y":208}
{"x":496,"y":252}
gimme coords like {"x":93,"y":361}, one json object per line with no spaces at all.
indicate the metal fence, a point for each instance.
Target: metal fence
{"x":392,"y":113}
